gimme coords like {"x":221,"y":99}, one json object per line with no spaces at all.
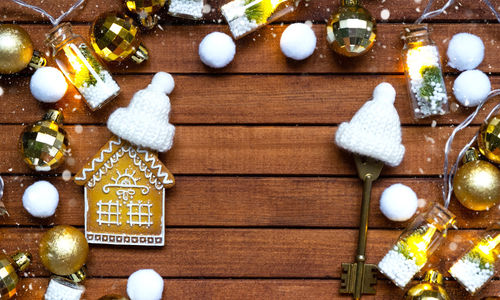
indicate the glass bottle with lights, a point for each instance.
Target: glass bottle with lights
{"x":424,"y":73}
{"x":8,"y":276}
{"x":81,"y":67}
{"x":415,"y":245}
{"x":477,"y":266}
{"x":246,"y":16}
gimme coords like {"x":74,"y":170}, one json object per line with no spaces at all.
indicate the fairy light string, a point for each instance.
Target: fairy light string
{"x":40,"y":10}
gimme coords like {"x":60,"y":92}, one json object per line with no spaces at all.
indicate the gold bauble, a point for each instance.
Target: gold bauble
{"x":488,"y":140}
{"x":63,"y":250}
{"x":146,"y":10}
{"x":8,"y":276}
{"x":114,"y":38}
{"x":43,"y":144}
{"x":431,"y":288}
{"x":351,"y":31}
{"x":16,"y":49}
{"x":477,"y":185}
{"x":113,"y":297}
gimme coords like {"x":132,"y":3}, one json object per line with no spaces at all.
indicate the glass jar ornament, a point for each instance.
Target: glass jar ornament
{"x":430,"y":288}
{"x":62,"y":288}
{"x":16,"y":50}
{"x":246,"y":16}
{"x":351,"y":31}
{"x":114,"y":38}
{"x":474,"y":269}
{"x":415,"y":245}
{"x":187,"y":9}
{"x":9,"y":266}
{"x":81,"y":67}
{"x":146,"y":11}
{"x":488,"y":140}
{"x":44,"y":143}
{"x":423,"y":72}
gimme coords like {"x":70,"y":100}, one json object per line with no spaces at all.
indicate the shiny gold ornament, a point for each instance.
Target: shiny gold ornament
{"x":8,"y":276}
{"x":114,"y":38}
{"x":489,"y":139}
{"x":477,"y":183}
{"x":43,"y":144}
{"x":431,"y":288}
{"x":113,"y":297}
{"x":351,"y":31}
{"x":63,"y":250}
{"x":16,"y":50}
{"x":146,"y":10}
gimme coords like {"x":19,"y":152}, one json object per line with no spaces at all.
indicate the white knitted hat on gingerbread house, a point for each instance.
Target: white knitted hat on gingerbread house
{"x":145,"y":121}
{"x":375,"y":129}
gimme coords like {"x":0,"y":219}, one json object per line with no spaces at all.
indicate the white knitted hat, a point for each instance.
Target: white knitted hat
{"x":145,"y":121}
{"x":375,"y":129}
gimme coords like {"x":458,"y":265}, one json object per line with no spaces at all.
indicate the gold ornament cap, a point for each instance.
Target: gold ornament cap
{"x":22,"y":260}
{"x":431,"y":288}
{"x":54,"y":116}
{"x":113,"y":297}
{"x":433,"y":276}
{"x":470,"y":155}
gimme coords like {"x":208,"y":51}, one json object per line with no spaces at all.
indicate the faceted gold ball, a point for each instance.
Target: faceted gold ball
{"x":477,"y":185}
{"x":352,"y":30}
{"x":114,"y":38}
{"x":146,"y":10}
{"x":63,"y":250}
{"x":16,"y":49}
{"x":489,"y":139}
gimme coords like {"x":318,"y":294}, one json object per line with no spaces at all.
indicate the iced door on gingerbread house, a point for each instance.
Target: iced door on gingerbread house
{"x":125,"y":195}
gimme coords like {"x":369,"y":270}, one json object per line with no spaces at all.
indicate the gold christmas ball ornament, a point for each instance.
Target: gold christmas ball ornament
{"x":146,"y":11}
{"x":8,"y":276}
{"x":477,"y":184}
{"x":351,"y":31}
{"x":63,"y":250}
{"x":114,"y":38}
{"x":16,"y":50}
{"x":488,"y":140}
{"x":431,"y":288}
{"x":44,"y":143}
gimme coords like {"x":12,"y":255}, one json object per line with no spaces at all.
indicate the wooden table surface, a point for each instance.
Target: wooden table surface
{"x":265,"y":206}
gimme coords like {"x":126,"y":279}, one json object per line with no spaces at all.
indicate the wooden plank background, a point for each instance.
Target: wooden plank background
{"x":265,"y":206}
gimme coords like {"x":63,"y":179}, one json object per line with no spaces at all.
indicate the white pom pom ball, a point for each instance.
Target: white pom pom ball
{"x":298,"y":41}
{"x":145,"y":284}
{"x":398,"y":202}
{"x":163,"y":82}
{"x":465,"y":51}
{"x":385,"y":91}
{"x":217,"y":50}
{"x":48,"y":85}
{"x":41,"y":199}
{"x":471,"y":88}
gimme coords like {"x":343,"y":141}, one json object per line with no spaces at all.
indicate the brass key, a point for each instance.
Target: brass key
{"x":359,"y":278}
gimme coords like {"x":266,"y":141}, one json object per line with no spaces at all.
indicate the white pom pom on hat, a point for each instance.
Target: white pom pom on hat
{"x":471,"y":88}
{"x":145,"y":284}
{"x":145,"y":122}
{"x":375,"y":129}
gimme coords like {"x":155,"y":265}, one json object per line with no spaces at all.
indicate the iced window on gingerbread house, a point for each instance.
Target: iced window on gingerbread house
{"x":139,"y":214}
{"x":108,"y":213}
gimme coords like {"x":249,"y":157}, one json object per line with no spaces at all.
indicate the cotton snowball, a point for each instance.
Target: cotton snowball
{"x":298,"y":41}
{"x":41,"y":199}
{"x":398,"y":202}
{"x":145,"y":284}
{"x":465,"y":51}
{"x":217,"y":50}
{"x":471,"y":88}
{"x":48,"y":85}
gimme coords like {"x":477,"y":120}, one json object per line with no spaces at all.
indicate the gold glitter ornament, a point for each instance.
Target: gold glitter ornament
{"x":16,"y":50}
{"x":8,"y":276}
{"x":64,"y":250}
{"x":431,"y":288}
{"x":488,"y":140}
{"x":43,"y":144}
{"x":113,"y":297}
{"x":477,"y":183}
{"x":146,"y":10}
{"x":351,"y":31}
{"x":114,"y":38}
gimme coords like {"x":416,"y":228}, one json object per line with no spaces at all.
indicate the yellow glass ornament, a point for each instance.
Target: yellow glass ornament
{"x":431,"y":288}
{"x":146,"y":10}
{"x":113,"y":297}
{"x":64,"y":250}
{"x":16,"y":50}
{"x":114,"y":38}
{"x":477,"y":183}
{"x":488,"y":140}
{"x":8,"y":276}
{"x":351,"y":31}
{"x":43,"y":144}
